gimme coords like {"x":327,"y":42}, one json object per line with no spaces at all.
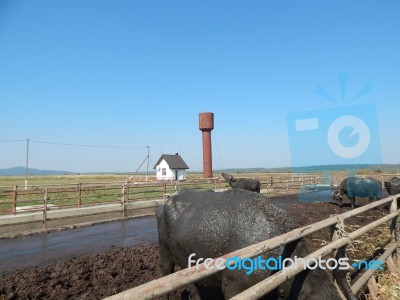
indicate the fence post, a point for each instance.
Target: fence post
{"x":127,"y":193}
{"x":79,"y":194}
{"x":165,"y":186}
{"x":337,"y":232}
{"x":165,"y":197}
{"x":394,"y":237}
{"x":372,"y":288}
{"x":287,"y":188}
{"x":123,"y":201}
{"x":15,"y":192}
{"x":215,"y":184}
{"x":393,"y":224}
{"x":45,"y":209}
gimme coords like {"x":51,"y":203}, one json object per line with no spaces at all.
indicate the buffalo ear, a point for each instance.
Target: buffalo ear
{"x":233,"y":179}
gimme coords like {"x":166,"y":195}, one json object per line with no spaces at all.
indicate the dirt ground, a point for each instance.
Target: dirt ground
{"x":101,"y":275}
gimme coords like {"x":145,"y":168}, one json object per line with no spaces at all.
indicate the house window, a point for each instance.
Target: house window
{"x":163,"y":171}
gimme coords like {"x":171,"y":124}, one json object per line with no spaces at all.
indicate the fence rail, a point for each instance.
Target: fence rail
{"x":167,"y":284}
{"x":79,"y":195}
{"x":51,"y":206}
{"x":13,"y":199}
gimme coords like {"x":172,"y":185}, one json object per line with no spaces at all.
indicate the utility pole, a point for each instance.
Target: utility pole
{"x":27,"y":164}
{"x":148,"y":158}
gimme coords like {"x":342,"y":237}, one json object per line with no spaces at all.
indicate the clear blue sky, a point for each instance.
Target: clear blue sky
{"x":137,"y":73}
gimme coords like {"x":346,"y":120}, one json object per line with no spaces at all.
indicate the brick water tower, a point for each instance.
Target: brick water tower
{"x":206,"y":124}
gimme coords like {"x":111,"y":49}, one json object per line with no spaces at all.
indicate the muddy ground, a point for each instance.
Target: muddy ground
{"x":104,"y":274}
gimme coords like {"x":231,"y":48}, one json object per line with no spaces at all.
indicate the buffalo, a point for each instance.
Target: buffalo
{"x":207,"y":224}
{"x":393,"y":186}
{"x":354,"y":187}
{"x":249,"y":184}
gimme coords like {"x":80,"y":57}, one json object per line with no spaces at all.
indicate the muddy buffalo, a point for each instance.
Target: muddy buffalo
{"x":194,"y":225}
{"x":354,"y":187}
{"x":393,"y":186}
{"x":249,"y":184}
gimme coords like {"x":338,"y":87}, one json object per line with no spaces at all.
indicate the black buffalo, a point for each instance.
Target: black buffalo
{"x":354,"y":187}
{"x":212,"y":224}
{"x":249,"y":184}
{"x":393,"y":186}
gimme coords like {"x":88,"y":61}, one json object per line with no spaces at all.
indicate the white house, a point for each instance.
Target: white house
{"x":171,"y":167}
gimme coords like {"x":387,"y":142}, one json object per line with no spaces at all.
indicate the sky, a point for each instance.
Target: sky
{"x":91,"y":83}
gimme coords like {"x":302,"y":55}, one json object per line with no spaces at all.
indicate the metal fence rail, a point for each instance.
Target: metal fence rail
{"x":184,"y":277}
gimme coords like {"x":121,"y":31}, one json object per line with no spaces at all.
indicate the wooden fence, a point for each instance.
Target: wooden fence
{"x":337,"y":179}
{"x":14,"y":200}
{"x":340,"y":240}
{"x":288,"y":184}
{"x":53,"y":206}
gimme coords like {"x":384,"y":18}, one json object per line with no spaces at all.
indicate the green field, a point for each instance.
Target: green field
{"x":61,"y":179}
{"x":75,"y":190}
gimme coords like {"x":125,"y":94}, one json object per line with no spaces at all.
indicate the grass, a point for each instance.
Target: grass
{"x":63,"y":190}
{"x":389,"y":285}
{"x":111,"y":178}
{"x":370,"y":246}
{"x":62,"y":179}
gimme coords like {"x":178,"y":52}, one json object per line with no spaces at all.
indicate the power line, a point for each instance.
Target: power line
{"x":11,"y":141}
{"x":190,"y":144}
{"x":88,"y":146}
{"x":221,"y":159}
{"x":76,"y":145}
{"x":28,"y":141}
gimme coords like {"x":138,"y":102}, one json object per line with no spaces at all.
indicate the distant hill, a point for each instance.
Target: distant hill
{"x":21,"y":171}
{"x":381,"y":168}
